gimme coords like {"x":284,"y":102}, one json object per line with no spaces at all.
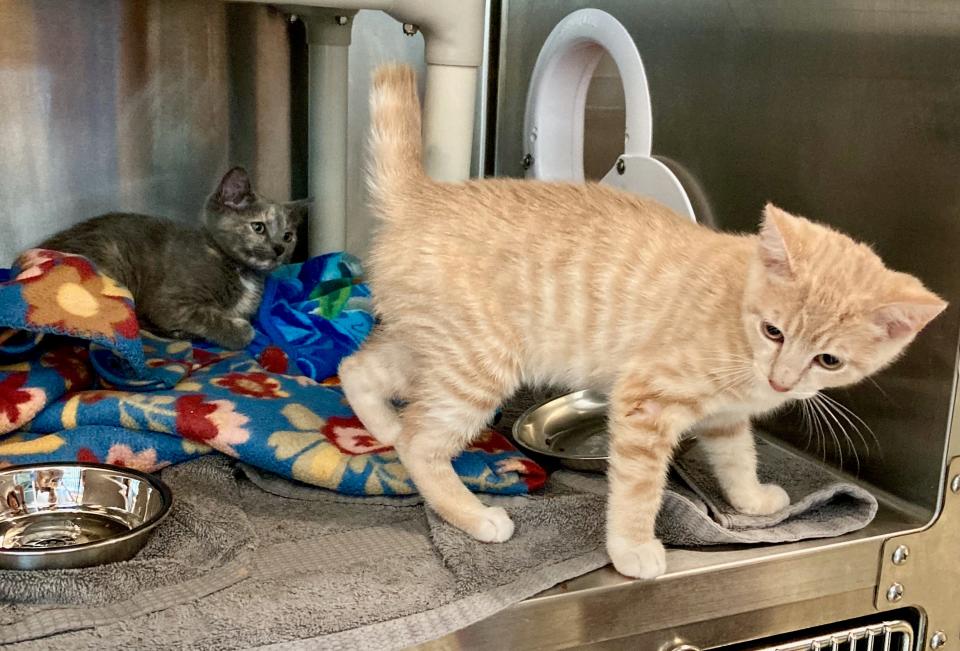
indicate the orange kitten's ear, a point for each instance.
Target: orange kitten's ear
{"x":774,"y":251}
{"x":904,"y":319}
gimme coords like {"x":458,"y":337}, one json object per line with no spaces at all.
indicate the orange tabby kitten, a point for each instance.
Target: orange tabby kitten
{"x":484,"y":285}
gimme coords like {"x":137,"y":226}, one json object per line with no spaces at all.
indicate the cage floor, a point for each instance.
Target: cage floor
{"x":894,"y":517}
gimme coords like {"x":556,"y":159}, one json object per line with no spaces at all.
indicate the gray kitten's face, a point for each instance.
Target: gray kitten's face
{"x":258,"y":233}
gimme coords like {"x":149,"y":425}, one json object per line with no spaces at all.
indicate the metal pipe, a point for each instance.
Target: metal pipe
{"x":452,"y":29}
{"x":328,"y":36}
{"x":453,"y":36}
{"x":448,"y":116}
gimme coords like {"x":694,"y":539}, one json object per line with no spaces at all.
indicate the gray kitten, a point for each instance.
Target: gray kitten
{"x":194,"y":282}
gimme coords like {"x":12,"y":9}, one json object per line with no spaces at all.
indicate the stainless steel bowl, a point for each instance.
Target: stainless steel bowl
{"x":62,"y":515}
{"x":571,"y":429}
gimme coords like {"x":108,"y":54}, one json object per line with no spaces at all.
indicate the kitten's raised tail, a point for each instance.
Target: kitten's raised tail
{"x":395,"y":163}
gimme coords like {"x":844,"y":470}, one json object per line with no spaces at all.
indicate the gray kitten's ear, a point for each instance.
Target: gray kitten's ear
{"x":298,"y":210}
{"x":234,"y":190}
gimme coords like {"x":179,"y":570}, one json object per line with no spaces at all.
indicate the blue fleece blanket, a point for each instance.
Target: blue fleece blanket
{"x":80,"y":381}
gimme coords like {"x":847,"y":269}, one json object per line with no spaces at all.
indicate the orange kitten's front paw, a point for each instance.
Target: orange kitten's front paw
{"x":646,"y":560}
{"x":762,"y":499}
{"x":491,"y":525}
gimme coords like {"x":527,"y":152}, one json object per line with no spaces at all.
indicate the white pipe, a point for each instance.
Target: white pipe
{"x":452,"y":29}
{"x":328,"y":36}
{"x":453,"y":36}
{"x":448,"y":115}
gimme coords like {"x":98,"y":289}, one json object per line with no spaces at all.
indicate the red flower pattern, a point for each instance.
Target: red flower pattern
{"x":491,"y":442}
{"x":95,"y":396}
{"x":86,"y":455}
{"x":215,"y":423}
{"x":350,"y":436}
{"x":192,"y":421}
{"x":253,"y":384}
{"x":274,"y":360}
{"x":530,"y":473}
{"x":12,"y":396}
{"x":71,"y":362}
{"x":202,"y":357}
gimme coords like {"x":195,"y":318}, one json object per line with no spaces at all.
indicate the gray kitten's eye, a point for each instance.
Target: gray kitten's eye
{"x":258,"y":227}
{"x":772,"y":332}
{"x":829,"y":362}
{"x":288,"y":237}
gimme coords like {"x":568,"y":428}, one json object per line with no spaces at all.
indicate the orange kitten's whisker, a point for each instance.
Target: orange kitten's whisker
{"x":728,"y":360}
{"x":821,"y":434}
{"x":856,"y":429}
{"x":844,"y":411}
{"x":880,"y":389}
{"x":830,"y":413}
{"x":736,"y":378}
{"x":807,"y":425}
{"x":833,"y":433}
{"x":722,"y":373}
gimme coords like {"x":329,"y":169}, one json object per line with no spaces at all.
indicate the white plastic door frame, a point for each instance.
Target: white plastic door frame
{"x":556,"y":102}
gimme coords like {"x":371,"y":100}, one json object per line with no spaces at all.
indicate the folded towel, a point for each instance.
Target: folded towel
{"x":694,"y":512}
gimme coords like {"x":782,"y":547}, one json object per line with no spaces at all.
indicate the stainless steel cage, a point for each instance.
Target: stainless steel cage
{"x":844,"y":111}
{"x":897,"y":635}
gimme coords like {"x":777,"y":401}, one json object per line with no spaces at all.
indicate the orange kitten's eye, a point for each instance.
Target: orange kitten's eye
{"x":258,"y":227}
{"x":829,"y":362}
{"x":772,"y":332}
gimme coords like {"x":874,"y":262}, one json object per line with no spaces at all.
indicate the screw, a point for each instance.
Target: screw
{"x":895,"y":593}
{"x":955,"y":484}
{"x":938,"y":640}
{"x":410,"y":29}
{"x":900,"y":555}
{"x":527,"y":161}
{"x":341,"y":20}
{"x":621,"y":166}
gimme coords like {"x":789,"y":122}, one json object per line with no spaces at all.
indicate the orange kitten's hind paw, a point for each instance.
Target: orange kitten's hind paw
{"x":646,"y":560}
{"x":491,"y":525}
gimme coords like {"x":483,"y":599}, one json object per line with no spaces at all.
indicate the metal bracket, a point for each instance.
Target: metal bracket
{"x":922,"y":570}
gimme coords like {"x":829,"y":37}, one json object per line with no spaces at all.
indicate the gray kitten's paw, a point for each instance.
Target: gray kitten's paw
{"x":645,"y":560}
{"x":236,"y":336}
{"x":763,"y":499}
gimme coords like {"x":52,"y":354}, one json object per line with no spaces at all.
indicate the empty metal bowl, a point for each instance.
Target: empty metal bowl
{"x":62,"y":515}
{"x":571,"y":429}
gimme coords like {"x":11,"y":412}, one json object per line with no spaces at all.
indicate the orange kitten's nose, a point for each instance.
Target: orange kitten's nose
{"x":778,"y":387}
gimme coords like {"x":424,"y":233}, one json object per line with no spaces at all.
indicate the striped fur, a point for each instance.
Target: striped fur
{"x":485,"y":285}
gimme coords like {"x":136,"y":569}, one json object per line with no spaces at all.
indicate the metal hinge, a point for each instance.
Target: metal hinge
{"x":922,"y":569}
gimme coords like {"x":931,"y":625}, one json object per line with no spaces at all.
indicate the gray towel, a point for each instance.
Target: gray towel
{"x":345,"y":573}
{"x":251,"y":560}
{"x":694,"y":512}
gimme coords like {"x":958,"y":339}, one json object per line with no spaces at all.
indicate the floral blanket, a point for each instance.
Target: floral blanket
{"x":80,"y":381}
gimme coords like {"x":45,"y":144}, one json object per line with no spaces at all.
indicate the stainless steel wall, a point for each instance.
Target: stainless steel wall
{"x":847,"y":111}
{"x":136,"y":105}
{"x":377,"y":39}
